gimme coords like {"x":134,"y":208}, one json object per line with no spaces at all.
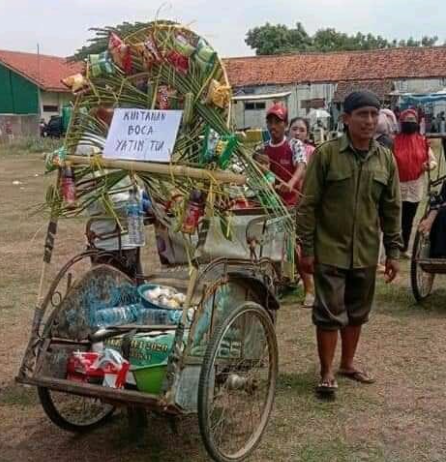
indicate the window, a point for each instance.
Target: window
{"x":255,"y":106}
{"x":50,"y":108}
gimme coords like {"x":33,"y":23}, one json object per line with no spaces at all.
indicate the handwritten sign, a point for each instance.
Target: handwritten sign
{"x":139,"y":134}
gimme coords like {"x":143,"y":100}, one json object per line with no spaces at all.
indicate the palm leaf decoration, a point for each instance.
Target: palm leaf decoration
{"x":166,"y":65}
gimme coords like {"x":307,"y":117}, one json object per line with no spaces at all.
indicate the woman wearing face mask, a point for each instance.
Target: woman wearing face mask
{"x":414,"y":157}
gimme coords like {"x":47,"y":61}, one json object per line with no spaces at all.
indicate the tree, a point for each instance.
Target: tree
{"x":275,"y":39}
{"x":270,"y":39}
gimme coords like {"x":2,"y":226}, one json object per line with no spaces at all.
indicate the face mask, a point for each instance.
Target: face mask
{"x":410,"y":128}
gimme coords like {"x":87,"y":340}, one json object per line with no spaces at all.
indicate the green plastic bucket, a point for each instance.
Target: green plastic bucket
{"x":149,"y":379}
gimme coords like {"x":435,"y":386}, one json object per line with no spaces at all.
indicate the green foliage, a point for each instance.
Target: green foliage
{"x":98,"y":43}
{"x":276,"y":39}
{"x":271,"y":39}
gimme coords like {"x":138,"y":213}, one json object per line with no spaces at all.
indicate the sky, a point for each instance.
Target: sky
{"x":61,"y":26}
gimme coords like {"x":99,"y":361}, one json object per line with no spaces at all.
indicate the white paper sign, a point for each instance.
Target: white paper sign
{"x":139,"y":134}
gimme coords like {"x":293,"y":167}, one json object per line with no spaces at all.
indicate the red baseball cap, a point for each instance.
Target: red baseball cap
{"x":279,"y":111}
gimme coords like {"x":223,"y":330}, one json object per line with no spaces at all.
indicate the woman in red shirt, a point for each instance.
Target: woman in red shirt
{"x":414,"y":157}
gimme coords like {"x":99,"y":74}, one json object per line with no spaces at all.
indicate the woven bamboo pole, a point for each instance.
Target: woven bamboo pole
{"x":163,"y":169}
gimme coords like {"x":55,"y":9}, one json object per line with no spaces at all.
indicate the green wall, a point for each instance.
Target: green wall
{"x":17,"y":95}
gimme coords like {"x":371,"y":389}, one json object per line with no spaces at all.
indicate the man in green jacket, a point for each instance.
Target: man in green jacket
{"x":350,"y":194}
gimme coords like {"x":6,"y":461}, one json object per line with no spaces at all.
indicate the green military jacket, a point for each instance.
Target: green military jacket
{"x":347,"y":199}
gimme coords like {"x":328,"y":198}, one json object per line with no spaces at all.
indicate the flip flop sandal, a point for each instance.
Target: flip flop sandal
{"x":327,"y":388}
{"x":357,"y":376}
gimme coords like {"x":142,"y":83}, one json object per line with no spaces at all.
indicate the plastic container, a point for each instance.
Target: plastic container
{"x":149,"y":379}
{"x":142,"y":289}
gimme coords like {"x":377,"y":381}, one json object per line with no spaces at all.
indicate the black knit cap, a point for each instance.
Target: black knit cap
{"x":359,"y":99}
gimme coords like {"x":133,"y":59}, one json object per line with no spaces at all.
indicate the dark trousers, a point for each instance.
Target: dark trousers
{"x":438,"y":236}
{"x":408,"y":216}
{"x":443,"y":141}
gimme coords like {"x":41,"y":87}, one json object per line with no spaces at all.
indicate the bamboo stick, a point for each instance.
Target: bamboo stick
{"x":163,"y":169}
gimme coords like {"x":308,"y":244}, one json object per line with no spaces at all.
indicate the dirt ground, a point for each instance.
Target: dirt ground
{"x":399,"y":419}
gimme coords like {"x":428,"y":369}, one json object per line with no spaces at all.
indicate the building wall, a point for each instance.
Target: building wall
{"x":298,"y":103}
{"x":17,"y":95}
{"x":420,"y":85}
{"x":51,"y":103}
{"x":21,"y":125}
{"x":305,"y":94}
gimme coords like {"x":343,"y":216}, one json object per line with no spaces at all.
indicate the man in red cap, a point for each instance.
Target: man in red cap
{"x":287,"y":161}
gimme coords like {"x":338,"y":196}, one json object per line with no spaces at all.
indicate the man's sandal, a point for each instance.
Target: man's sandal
{"x":327,"y":387}
{"x":357,"y":376}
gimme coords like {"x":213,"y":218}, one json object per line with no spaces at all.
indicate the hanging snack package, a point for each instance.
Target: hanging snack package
{"x":225,"y":149}
{"x":149,"y":52}
{"x":218,"y":94}
{"x":166,"y":98}
{"x":101,"y":64}
{"x":204,"y":56}
{"x":204,"y":51}
{"x":218,"y":148}
{"x":120,"y":53}
{"x":55,"y":159}
{"x":183,"y":46}
{"x":76,"y":83}
{"x":211,"y":139}
{"x":178,"y":61}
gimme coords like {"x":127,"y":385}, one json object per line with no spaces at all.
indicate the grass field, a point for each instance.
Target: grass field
{"x":399,"y":419}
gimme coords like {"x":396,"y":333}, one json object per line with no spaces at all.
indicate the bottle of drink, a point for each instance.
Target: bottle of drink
{"x":135,"y":220}
{"x":68,"y":186}
{"x":194,"y":211}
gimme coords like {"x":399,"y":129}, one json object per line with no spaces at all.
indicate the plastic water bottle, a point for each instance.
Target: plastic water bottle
{"x":117,"y":316}
{"x":135,"y":221}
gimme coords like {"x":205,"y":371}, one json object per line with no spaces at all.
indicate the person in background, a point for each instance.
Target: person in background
{"x":414,"y":157}
{"x":351,"y":185}
{"x":300,"y":130}
{"x":287,"y":159}
{"x":434,"y":225}
{"x":9,"y":131}
{"x":385,"y":134}
{"x":387,"y":128}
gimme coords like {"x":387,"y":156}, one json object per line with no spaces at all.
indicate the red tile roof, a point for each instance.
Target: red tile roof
{"x":46,"y":71}
{"x":389,"y":64}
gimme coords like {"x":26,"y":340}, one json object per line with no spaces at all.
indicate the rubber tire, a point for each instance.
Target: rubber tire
{"x":206,"y":370}
{"x":55,"y":417}
{"x":414,"y":268}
